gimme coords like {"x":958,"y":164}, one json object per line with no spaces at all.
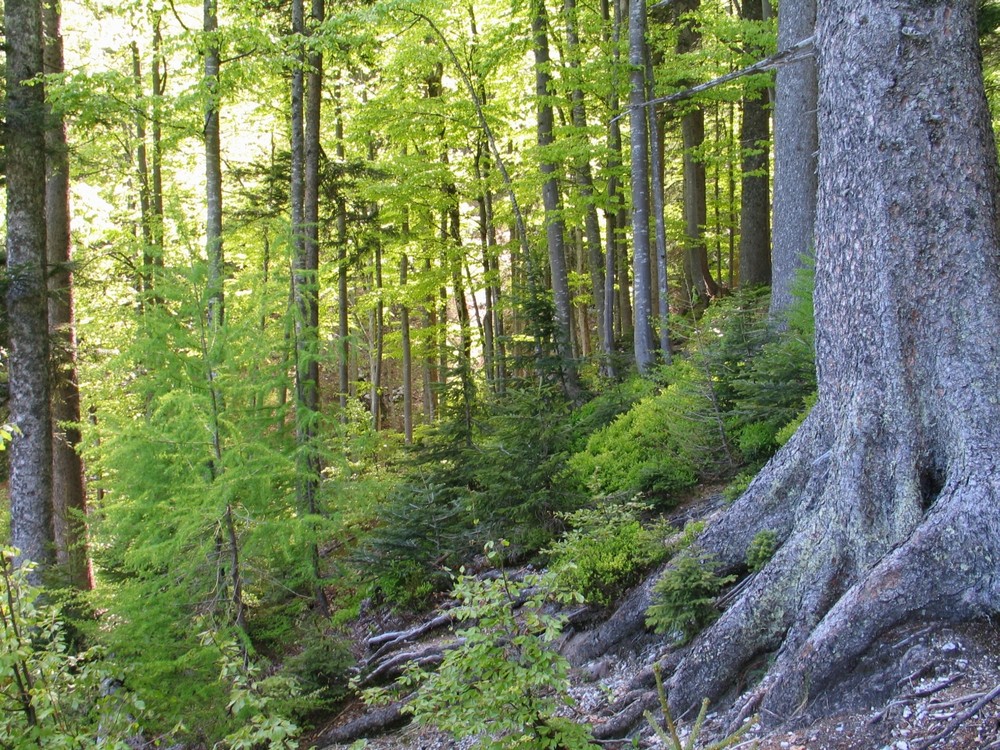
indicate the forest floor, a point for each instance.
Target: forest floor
{"x":947,"y":707}
{"x":924,"y":685}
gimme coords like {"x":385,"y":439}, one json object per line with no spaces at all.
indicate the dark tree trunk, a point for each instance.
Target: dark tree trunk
{"x":795,"y":146}
{"x":755,"y":205}
{"x":643,"y":345}
{"x":698,"y":277}
{"x":343,"y":323}
{"x":69,"y":497}
{"x":886,"y":500}
{"x":30,"y":485}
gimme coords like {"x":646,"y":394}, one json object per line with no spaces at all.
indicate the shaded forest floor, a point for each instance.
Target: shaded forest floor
{"x":924,"y":685}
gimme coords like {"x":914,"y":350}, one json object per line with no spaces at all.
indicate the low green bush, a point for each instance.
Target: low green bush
{"x":684,"y":598}
{"x":761,"y":550}
{"x":606,"y":550}
{"x":506,"y":683}
{"x":662,"y":445}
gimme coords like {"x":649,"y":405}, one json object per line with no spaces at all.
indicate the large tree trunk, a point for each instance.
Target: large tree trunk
{"x":886,"y":500}
{"x":795,"y":146}
{"x":30,"y":485}
{"x":69,"y":497}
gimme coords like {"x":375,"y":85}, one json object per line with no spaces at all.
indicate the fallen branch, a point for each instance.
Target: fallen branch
{"x":955,"y":723}
{"x":379,"y":721}
{"x":386,"y":642}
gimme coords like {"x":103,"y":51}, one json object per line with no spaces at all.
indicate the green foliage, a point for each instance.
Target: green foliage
{"x":768,"y":394}
{"x":606,"y":550}
{"x":507,"y":476}
{"x":53,"y":696}
{"x":320,"y":670}
{"x":661,"y":445}
{"x":253,"y":700}
{"x":761,"y":550}
{"x":737,"y":487}
{"x":670,"y":737}
{"x":786,"y":432}
{"x":684,"y":598}
{"x":506,"y":684}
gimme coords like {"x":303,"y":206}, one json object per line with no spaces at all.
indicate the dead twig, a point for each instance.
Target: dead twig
{"x":955,"y":723}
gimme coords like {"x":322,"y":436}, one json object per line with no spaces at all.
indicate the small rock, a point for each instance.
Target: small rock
{"x":949,"y":647}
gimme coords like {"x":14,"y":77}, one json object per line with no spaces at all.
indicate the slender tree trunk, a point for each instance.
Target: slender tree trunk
{"x":755,"y":206}
{"x":554,"y":226}
{"x":213,"y":168}
{"x":141,"y":158}
{"x":404,"y":324}
{"x":698,"y":276}
{"x":343,"y":322}
{"x":585,"y":178}
{"x":156,"y":173}
{"x":886,"y":502}
{"x":30,"y":486}
{"x":639,"y":146}
{"x":796,"y":143}
{"x":69,"y":497}
{"x":659,"y":217}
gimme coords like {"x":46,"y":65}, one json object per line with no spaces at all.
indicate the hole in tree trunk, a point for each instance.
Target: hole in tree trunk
{"x":932,"y":481}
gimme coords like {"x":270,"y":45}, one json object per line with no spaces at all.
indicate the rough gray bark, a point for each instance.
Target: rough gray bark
{"x":30,"y":486}
{"x":795,"y":146}
{"x":69,"y":496}
{"x":554,"y":225}
{"x":886,"y":501}
{"x":643,"y":345}
{"x":755,"y":202}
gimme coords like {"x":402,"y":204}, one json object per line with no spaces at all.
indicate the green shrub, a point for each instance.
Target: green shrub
{"x":53,"y":696}
{"x":786,"y":432}
{"x":737,"y":487}
{"x":506,"y":683}
{"x":507,"y":477}
{"x":606,"y":550}
{"x":761,"y":550}
{"x":663,"y":444}
{"x":684,"y":598}
{"x":320,"y":670}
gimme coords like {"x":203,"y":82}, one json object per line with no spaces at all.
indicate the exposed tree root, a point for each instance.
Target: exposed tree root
{"x":369,"y":724}
{"x":822,"y":601}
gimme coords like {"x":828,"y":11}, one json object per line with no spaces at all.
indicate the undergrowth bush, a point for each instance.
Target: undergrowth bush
{"x":53,"y":695}
{"x":606,"y":550}
{"x":761,"y":550}
{"x":684,"y":598}
{"x":506,"y":683}
{"x":662,"y":445}
{"x":506,"y":477}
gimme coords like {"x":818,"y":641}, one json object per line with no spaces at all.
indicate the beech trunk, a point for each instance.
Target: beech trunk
{"x":30,"y":486}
